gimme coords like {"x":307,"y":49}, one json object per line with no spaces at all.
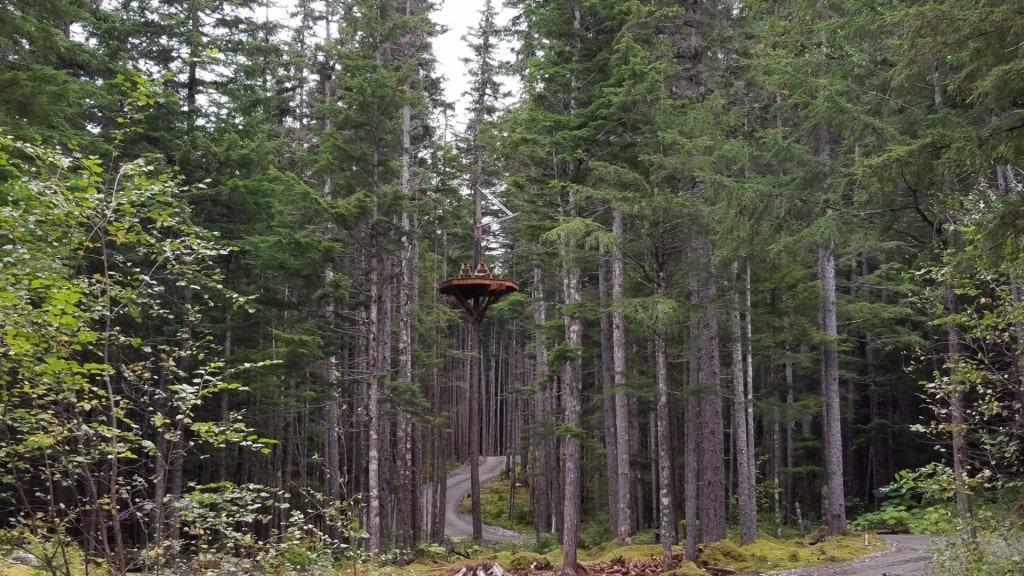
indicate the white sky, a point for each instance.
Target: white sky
{"x":459,"y":16}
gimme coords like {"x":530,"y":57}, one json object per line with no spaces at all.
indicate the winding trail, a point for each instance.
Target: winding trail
{"x":909,"y":556}
{"x":461,"y":525}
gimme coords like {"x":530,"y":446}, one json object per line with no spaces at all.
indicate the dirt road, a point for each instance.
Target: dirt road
{"x":461,"y":525}
{"x":909,"y":557}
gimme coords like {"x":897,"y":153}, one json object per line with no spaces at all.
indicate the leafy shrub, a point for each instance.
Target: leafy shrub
{"x":998,"y":552}
{"x":898,"y":518}
{"x":595,"y":532}
{"x":544,"y":543}
{"x":917,"y":501}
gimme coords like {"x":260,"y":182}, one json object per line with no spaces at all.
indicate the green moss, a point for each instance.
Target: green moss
{"x":767,"y":554}
{"x":494,"y":506}
{"x":528,"y":561}
{"x":610,"y":551}
{"x":686,"y":569}
{"x":8,"y":569}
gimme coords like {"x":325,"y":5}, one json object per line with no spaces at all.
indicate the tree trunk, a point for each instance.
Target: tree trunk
{"x":475,"y":374}
{"x":332,"y":460}
{"x":572,"y":382}
{"x":747,"y":502}
{"x":541,"y":492}
{"x":373,"y":516}
{"x":608,"y":392}
{"x":835,"y":501}
{"x":958,"y":413}
{"x":692,"y":478}
{"x":750,"y":385}
{"x":623,"y":529}
{"x":666,"y":503}
{"x":439,"y":452}
{"x":711,"y":441}
{"x":408,"y":289}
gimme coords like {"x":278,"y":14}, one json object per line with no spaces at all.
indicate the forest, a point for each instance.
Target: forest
{"x":761,"y":262}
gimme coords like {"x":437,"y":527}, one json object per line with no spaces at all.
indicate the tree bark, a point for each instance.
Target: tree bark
{"x":750,"y":384}
{"x":692,"y":478}
{"x":666,"y":502}
{"x":608,"y":390}
{"x":958,"y":413}
{"x":572,"y":382}
{"x":373,"y":516}
{"x":623,"y":528}
{"x":474,"y":428}
{"x":546,"y":484}
{"x":711,"y":439}
{"x":747,"y":502}
{"x":408,"y":289}
{"x":835,"y":505}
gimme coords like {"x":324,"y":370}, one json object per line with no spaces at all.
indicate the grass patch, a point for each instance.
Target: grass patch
{"x":611,"y":550}
{"x":494,"y":506}
{"x":9,"y":569}
{"x":767,"y":554}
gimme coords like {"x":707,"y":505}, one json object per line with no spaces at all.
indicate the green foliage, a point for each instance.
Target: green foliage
{"x":998,"y":552}
{"x":544,"y":543}
{"x":917,"y":501}
{"x":494,"y":506}
{"x":596,"y":531}
{"x":918,"y":520}
{"x":217,"y":520}
{"x":94,"y":257}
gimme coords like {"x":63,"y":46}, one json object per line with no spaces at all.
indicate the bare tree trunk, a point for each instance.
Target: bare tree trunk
{"x":776,"y":465}
{"x":666,"y":503}
{"x":332,"y":471}
{"x":710,"y":423}
{"x":373,"y":516}
{"x":608,"y":389}
{"x":438,"y":454}
{"x":788,"y":490}
{"x":745,"y":485}
{"x":572,"y":373}
{"x":623,"y":529}
{"x":751,"y":443}
{"x":542,"y":494}
{"x":408,"y":289}
{"x":572,"y":381}
{"x":790,"y":425}
{"x":692,"y":478}
{"x":474,"y":427}
{"x":835,"y":507}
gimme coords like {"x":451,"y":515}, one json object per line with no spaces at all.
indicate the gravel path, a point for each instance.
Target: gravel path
{"x":909,"y":556}
{"x":461,"y":525}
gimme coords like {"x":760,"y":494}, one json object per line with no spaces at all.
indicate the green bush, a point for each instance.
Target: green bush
{"x":898,"y":518}
{"x":544,"y":543}
{"x":917,"y":501}
{"x":999,"y":550}
{"x":595,"y":532}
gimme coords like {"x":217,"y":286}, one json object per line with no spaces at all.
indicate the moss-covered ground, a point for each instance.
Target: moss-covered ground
{"x":494,"y":506}
{"x":8,"y":569}
{"x":766,"y":554}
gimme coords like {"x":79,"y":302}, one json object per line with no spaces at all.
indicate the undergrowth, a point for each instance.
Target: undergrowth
{"x":494,"y":506}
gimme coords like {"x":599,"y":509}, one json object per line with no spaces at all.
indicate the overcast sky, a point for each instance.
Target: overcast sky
{"x":459,"y":16}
